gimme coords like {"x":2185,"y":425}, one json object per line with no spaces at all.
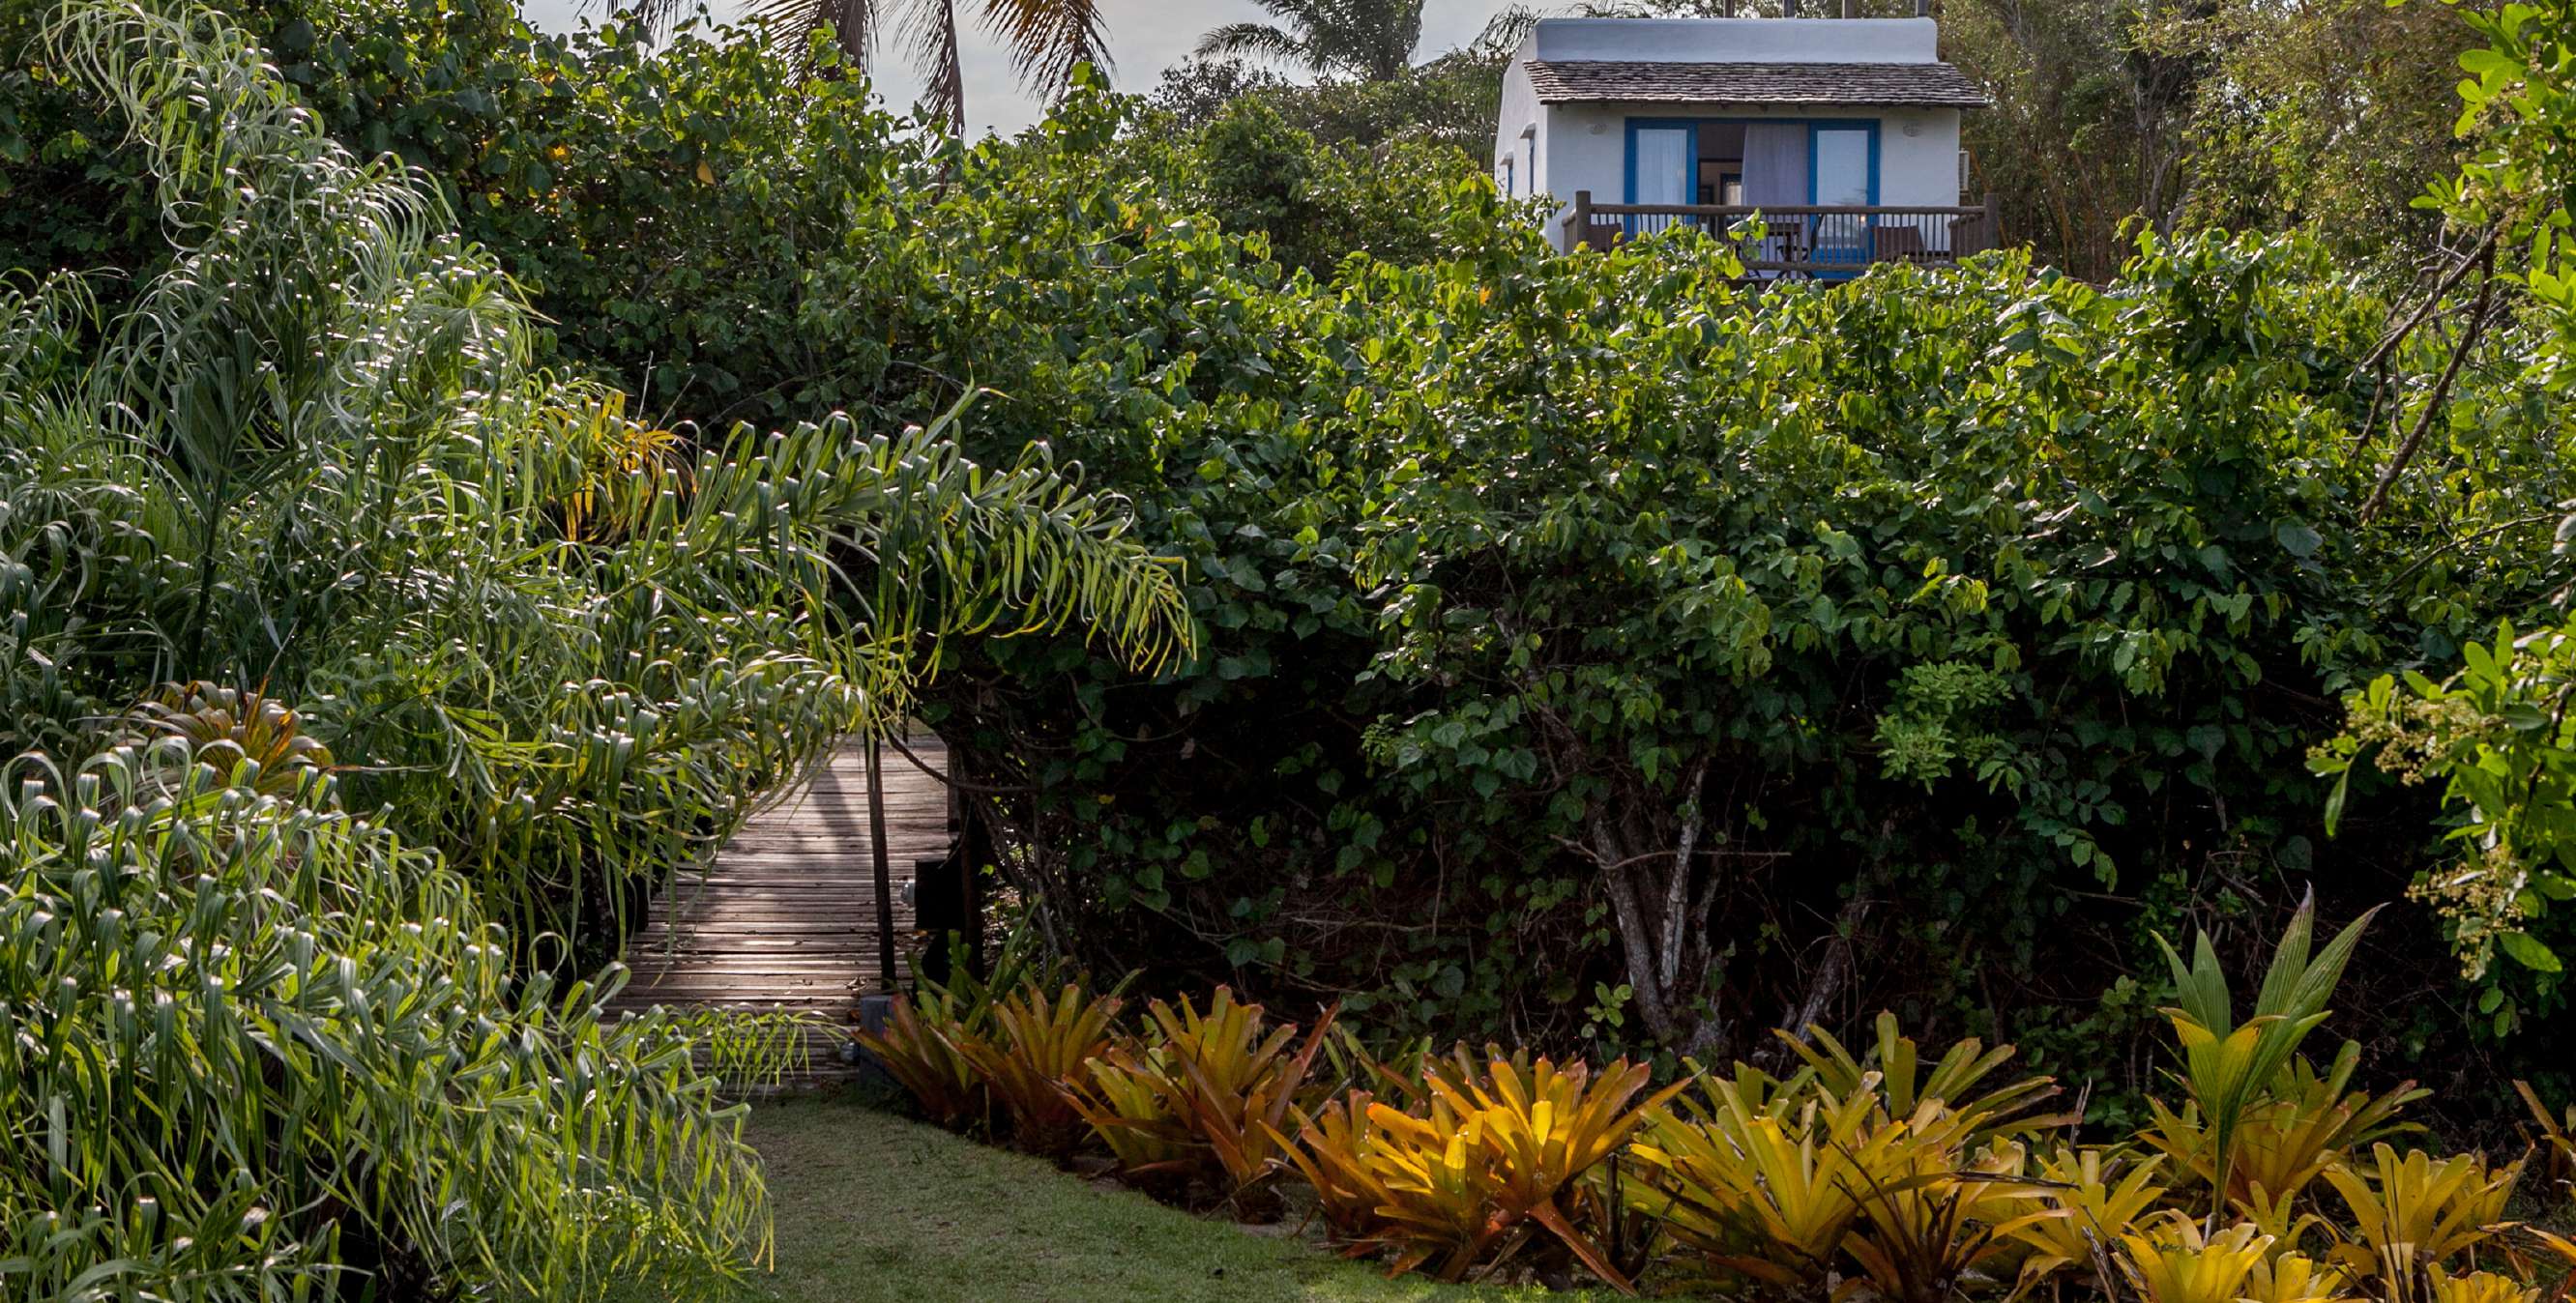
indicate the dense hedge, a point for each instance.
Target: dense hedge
{"x":1976,"y":624}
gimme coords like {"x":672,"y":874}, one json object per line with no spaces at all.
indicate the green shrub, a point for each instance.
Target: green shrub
{"x":258,"y":1043}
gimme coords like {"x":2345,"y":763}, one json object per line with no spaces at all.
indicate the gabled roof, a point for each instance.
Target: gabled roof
{"x":1932,"y":84}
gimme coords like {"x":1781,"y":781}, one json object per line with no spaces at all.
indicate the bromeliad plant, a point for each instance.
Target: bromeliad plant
{"x":2232,"y":1071}
{"x":1502,"y":1151}
{"x":1333,"y":1150}
{"x":1760,"y":1184}
{"x":1927,"y":1232}
{"x":1036,"y":1059}
{"x":1876,"y":1176}
{"x":2412,"y":1215}
{"x":2168,"y":1259}
{"x":2099,"y":1193}
{"x":2303,"y":1126}
{"x":221,"y":724}
{"x":1840,"y":1171}
{"x":920,"y":1048}
{"x":1211,"y":1091}
{"x":1895,"y":1072}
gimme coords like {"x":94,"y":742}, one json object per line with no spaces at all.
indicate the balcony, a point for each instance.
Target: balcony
{"x":1802,"y":241}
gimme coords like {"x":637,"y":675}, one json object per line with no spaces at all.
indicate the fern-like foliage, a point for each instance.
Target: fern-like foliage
{"x":263,"y":1048}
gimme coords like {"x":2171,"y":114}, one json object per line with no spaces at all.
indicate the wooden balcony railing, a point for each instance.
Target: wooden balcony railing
{"x":1803,"y":240}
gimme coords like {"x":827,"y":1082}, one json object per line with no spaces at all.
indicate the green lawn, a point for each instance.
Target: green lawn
{"x":871,"y":1206}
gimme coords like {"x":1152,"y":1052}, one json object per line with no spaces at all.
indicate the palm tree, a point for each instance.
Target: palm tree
{"x":1371,"y":40}
{"x":1047,"y":38}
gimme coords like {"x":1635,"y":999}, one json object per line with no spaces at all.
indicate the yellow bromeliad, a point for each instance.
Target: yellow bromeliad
{"x":2169,"y":1260}
{"x":1496,"y":1151}
{"x":2478,"y":1287}
{"x":2412,"y":1214}
{"x":2101,"y":1193}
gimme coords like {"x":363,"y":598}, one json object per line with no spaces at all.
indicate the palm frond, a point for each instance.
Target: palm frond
{"x":934,"y":51}
{"x":790,"y":26}
{"x":1258,"y":41}
{"x":1048,"y":38}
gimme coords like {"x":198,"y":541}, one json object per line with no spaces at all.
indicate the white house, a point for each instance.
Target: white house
{"x":1843,"y":132}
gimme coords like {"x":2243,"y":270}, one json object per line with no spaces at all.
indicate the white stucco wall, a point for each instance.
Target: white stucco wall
{"x":1520,"y":110}
{"x":1922,"y":167}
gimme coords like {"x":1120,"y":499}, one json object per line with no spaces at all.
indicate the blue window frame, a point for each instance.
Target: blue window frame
{"x":1628,"y":169}
{"x":1858,"y":253}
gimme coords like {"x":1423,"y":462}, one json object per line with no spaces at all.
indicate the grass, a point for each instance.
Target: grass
{"x":871,"y":1206}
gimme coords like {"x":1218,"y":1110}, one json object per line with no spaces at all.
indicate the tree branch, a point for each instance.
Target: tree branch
{"x":2441,"y":388}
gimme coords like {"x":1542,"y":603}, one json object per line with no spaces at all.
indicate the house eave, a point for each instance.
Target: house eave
{"x":1753,"y":85}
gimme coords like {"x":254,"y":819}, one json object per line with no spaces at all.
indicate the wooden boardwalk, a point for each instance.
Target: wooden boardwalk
{"x":786,"y":917}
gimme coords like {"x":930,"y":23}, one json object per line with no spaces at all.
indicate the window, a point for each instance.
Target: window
{"x":1842,"y":172}
{"x":1503,"y":178}
{"x":1758,"y":162}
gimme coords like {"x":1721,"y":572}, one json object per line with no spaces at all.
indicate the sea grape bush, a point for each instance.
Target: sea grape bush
{"x":1596,"y":643}
{"x":1884,"y":1173}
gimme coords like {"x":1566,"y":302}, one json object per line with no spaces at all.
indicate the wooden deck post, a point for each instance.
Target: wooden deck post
{"x":974,"y":846}
{"x":1994,"y":220}
{"x":1579,"y":234}
{"x":884,"y":875}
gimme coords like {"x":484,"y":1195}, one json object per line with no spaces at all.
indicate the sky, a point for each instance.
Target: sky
{"x":1145,"y":37}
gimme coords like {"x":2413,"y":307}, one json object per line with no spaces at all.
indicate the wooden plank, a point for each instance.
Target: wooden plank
{"x":784,"y":918}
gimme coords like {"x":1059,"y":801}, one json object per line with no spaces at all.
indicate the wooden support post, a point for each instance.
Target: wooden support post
{"x":973,"y":850}
{"x":1581,"y":235}
{"x":1994,"y":220}
{"x":884,"y":874}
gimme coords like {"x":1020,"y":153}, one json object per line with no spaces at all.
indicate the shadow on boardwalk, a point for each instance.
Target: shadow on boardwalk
{"x":786,"y":916}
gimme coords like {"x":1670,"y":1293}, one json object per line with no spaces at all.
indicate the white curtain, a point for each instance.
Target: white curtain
{"x":1664,"y":165}
{"x":1775,"y":173}
{"x":1775,"y":163}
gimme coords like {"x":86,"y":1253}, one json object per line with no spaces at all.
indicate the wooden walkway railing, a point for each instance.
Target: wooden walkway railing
{"x":786,"y":917}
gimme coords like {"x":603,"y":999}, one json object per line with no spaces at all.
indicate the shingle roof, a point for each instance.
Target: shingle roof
{"x":1559,"y":81}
